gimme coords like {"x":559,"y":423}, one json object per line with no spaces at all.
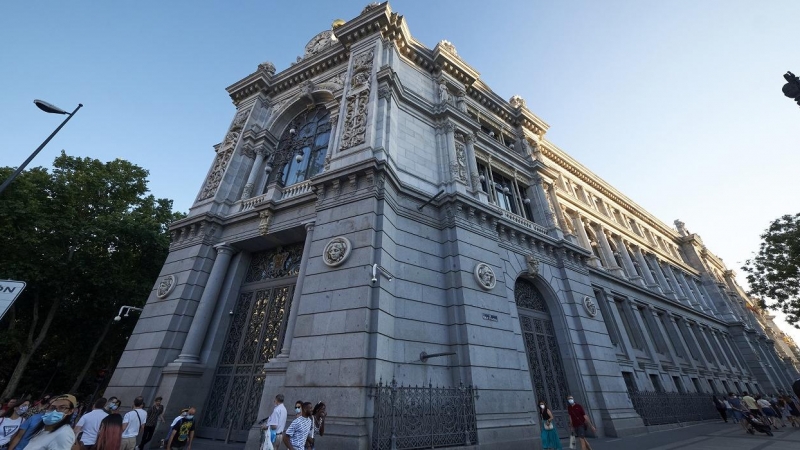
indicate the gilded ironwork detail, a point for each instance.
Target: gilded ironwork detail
{"x":275,"y":263}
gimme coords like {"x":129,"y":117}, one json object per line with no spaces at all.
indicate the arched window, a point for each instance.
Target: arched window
{"x":302,"y":147}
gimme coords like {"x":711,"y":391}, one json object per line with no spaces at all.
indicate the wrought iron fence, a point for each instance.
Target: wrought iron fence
{"x":659,"y":408}
{"x":416,"y":417}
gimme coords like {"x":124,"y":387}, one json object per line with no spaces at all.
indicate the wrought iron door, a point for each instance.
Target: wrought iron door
{"x":544,"y":357}
{"x":255,"y":336}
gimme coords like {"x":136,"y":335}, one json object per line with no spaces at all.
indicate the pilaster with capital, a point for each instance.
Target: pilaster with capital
{"x":260,"y":154}
{"x":608,"y":253}
{"x":622,"y":249}
{"x":648,"y":274}
{"x":195,"y":338}
{"x":543,"y":210}
{"x":582,"y":224}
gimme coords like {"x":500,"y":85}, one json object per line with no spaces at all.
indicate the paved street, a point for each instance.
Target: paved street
{"x":705,"y":436}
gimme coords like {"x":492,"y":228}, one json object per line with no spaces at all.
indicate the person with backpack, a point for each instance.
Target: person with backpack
{"x":133,"y":424}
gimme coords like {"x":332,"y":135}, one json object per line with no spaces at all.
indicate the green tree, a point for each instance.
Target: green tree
{"x":86,"y":238}
{"x":774,"y":273}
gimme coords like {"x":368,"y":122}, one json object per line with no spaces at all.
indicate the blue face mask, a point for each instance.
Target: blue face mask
{"x":113,"y":407}
{"x":52,"y":417}
{"x":189,"y":417}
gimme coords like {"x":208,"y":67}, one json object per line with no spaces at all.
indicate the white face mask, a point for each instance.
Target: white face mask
{"x":541,"y":406}
{"x":297,"y":410}
{"x":571,"y":401}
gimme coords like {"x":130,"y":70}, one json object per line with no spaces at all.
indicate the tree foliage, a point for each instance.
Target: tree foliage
{"x":774,"y":273}
{"x":86,"y":238}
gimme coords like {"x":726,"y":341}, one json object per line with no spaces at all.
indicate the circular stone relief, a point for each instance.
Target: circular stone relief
{"x":336,"y":251}
{"x":166,"y":286}
{"x":484,"y":275}
{"x":591,"y":308}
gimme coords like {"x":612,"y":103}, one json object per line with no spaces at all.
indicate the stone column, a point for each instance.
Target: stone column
{"x":648,"y":276}
{"x":298,"y":293}
{"x":676,"y":286}
{"x":633,"y":276}
{"x":668,"y":290}
{"x":205,"y":308}
{"x":557,"y":211}
{"x":613,"y":267}
{"x":546,"y":216}
{"x":584,"y":224}
{"x":253,"y":175}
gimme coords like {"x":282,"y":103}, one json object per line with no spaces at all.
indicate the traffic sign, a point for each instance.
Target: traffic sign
{"x":9,"y":291}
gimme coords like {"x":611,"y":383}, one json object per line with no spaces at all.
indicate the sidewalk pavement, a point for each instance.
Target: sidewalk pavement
{"x":704,"y":436}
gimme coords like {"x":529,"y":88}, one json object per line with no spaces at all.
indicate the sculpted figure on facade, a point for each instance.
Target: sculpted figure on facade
{"x":444,"y":94}
{"x":336,"y":251}
{"x":485,"y":277}
{"x":532,"y":264}
{"x":166,"y":286}
{"x":517,"y":102}
{"x":448,"y":47}
{"x":267,"y":67}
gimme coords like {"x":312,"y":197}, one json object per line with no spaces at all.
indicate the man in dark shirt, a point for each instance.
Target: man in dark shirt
{"x":155,"y":414}
{"x":182,"y":433}
{"x":579,"y":422}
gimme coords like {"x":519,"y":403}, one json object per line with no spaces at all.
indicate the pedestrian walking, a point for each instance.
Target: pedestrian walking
{"x":133,"y":424}
{"x":182,"y":433}
{"x":720,"y":407}
{"x":318,"y":415}
{"x":750,"y":404}
{"x":10,"y":421}
{"x":109,"y":436}
{"x":793,"y":410}
{"x":54,"y":433}
{"x":155,"y":414}
{"x":112,"y":407}
{"x":549,"y":434}
{"x":274,"y":425}
{"x":767,"y":411}
{"x":579,"y":422}
{"x":89,"y":425}
{"x":299,"y":432}
{"x":737,"y":410}
{"x":184,"y":413}
{"x":298,"y":409}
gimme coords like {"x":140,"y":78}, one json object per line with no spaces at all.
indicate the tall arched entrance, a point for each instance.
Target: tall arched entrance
{"x":541,"y":347}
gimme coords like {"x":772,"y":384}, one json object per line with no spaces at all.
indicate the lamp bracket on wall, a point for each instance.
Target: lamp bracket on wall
{"x":377,"y":270}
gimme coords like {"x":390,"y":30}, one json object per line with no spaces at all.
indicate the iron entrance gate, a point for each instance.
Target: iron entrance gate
{"x":255,"y":336}
{"x":541,"y":347}
{"x":418,"y":417}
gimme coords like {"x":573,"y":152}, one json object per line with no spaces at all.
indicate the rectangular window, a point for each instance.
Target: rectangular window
{"x":678,"y":384}
{"x":608,"y":317}
{"x":738,"y":388}
{"x":676,"y":344}
{"x":726,"y":387}
{"x":656,"y":381}
{"x":632,"y":335}
{"x":712,"y":385}
{"x":696,"y":383}
{"x":687,"y":338}
{"x":630,"y":382}
{"x":503,"y":192}
{"x":654,"y":337}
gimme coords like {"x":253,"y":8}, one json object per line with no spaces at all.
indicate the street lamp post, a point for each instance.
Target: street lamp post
{"x":48,"y":108}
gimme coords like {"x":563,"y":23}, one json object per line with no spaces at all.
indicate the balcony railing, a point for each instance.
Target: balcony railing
{"x":296,"y":189}
{"x":519,"y":220}
{"x":252,"y":202}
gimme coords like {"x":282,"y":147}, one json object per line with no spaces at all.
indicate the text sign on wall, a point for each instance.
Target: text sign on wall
{"x":9,"y":291}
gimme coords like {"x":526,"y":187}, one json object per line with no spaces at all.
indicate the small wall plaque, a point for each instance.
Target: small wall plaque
{"x":490,"y":317}
{"x":591,"y":308}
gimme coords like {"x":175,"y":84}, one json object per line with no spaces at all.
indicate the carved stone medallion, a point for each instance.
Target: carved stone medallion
{"x":485,"y":277}
{"x":591,"y":308}
{"x":166,"y":286}
{"x":336,"y":251}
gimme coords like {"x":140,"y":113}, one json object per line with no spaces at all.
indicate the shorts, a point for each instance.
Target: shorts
{"x":580,"y":431}
{"x":769,"y":412}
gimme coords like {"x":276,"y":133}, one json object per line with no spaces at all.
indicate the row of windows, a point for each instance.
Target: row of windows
{"x":708,"y":386}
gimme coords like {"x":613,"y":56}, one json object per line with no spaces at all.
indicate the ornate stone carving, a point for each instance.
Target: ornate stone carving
{"x":370,"y":7}
{"x":476,"y":180}
{"x":355,"y":120}
{"x":448,"y":47}
{"x":459,"y":166}
{"x":589,"y":305}
{"x":240,"y":119}
{"x":384,"y":92}
{"x":319,"y":43}
{"x":485,"y":277}
{"x":224,"y":154}
{"x":166,"y":286}
{"x":517,"y":102}
{"x":267,"y":67}
{"x":533,"y":265}
{"x":266,"y":220}
{"x":336,"y":251}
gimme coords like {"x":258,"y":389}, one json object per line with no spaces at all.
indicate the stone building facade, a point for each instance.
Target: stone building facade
{"x":376,"y":212}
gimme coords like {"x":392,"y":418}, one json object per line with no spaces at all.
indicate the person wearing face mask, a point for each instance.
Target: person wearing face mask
{"x":25,"y":432}
{"x":183,"y":414}
{"x":549,"y":434}
{"x":182,"y":433}
{"x":579,"y":422}
{"x":54,"y":433}
{"x":10,"y":422}
{"x":299,"y":432}
{"x":298,"y":409}
{"x":112,"y":407}
{"x":89,"y":424}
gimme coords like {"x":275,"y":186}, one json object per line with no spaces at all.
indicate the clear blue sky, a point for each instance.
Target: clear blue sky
{"x":677,"y":104}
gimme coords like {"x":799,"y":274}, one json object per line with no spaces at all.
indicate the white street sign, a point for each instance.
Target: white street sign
{"x":9,"y":291}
